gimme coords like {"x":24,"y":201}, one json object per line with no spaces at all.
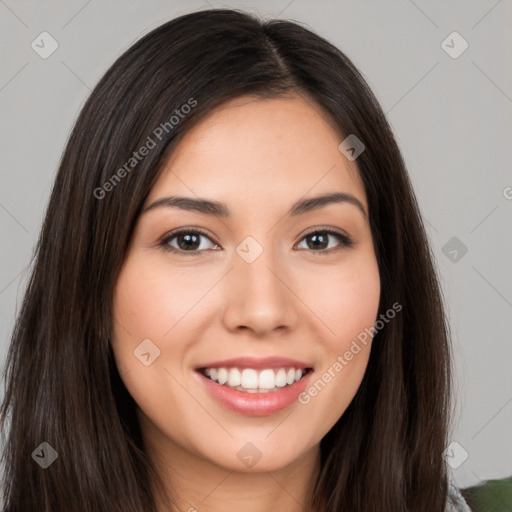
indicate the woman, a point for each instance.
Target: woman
{"x":233,"y":301}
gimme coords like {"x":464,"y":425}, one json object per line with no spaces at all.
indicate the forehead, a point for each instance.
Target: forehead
{"x":271,"y":148}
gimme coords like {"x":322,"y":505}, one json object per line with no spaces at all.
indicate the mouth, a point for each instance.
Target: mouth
{"x":255,"y":387}
{"x":250,"y":380}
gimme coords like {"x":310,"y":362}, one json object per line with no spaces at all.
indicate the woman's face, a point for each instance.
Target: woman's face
{"x":248,"y":292}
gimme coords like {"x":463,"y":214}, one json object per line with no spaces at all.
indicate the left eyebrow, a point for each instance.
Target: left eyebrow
{"x":216,"y":208}
{"x":313,"y":203}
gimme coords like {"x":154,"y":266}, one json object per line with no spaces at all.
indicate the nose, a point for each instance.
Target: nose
{"x":259,"y":297}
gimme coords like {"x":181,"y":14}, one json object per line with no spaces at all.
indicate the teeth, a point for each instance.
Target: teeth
{"x":234,"y":377}
{"x":267,"y":379}
{"x":222,"y":375}
{"x":249,"y":379}
{"x":281,"y":378}
{"x":255,"y":381}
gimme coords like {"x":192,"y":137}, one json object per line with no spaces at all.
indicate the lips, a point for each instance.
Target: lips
{"x":257,"y":363}
{"x":255,"y":386}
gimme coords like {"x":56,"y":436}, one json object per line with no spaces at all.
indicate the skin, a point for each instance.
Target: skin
{"x":258,"y":156}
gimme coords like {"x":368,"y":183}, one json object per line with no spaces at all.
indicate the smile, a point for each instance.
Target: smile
{"x":255,"y":386}
{"x":250,"y":380}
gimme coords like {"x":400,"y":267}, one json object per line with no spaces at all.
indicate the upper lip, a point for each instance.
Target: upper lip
{"x":257,"y":363}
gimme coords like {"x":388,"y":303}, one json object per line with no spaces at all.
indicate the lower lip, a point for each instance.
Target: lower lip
{"x":255,"y":404}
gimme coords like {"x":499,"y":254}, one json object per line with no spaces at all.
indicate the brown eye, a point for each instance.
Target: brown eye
{"x":191,"y":241}
{"x":320,"y":241}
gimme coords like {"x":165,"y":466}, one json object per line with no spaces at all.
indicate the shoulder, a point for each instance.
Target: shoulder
{"x":456,"y":502}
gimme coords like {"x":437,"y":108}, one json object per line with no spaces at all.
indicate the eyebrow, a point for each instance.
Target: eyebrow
{"x":216,"y":208}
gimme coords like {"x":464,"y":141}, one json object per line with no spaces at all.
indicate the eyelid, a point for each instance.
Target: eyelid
{"x":323,"y":229}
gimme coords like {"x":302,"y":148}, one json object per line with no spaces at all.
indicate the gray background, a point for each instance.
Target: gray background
{"x":452,"y":119}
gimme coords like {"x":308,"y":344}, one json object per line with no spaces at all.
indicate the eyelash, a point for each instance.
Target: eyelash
{"x":345,"y":241}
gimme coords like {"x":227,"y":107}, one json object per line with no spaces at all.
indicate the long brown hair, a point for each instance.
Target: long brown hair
{"x":62,"y":386}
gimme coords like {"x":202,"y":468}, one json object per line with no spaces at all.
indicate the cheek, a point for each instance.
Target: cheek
{"x":349,"y":306}
{"x":356,"y":307}
{"x":143,"y":309}
{"x":146,"y":301}
{"x":346,"y":298}
{"x":147,"y":307}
